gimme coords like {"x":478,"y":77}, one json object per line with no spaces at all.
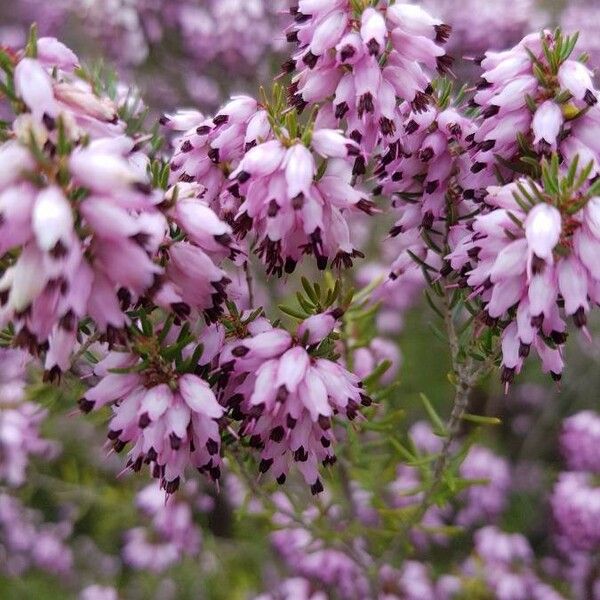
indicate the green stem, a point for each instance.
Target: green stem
{"x":466,"y":376}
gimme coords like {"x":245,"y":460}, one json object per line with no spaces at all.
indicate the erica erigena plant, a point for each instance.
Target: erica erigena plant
{"x":125,"y":259}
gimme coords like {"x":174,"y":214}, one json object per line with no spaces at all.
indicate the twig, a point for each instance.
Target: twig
{"x":466,"y":377}
{"x":249,"y":283}
{"x":85,"y":347}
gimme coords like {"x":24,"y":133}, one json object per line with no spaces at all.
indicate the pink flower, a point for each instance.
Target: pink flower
{"x":547,"y":123}
{"x":578,"y":79}
{"x":316,"y":328}
{"x":65,"y":271}
{"x":338,"y":61}
{"x":52,"y":52}
{"x":579,"y":441}
{"x":287,"y":400}
{"x":50,"y":88}
{"x":509,"y":82}
{"x":20,"y":421}
{"x":576,"y":508}
{"x":210,"y":148}
{"x":543,"y":227}
{"x":289,"y":210}
{"x":483,"y":503}
{"x":171,"y":536}
{"x":34,"y":86}
{"x":420,"y":162}
{"x":76,"y":245}
{"x":193,"y":281}
{"x":30,"y":543}
{"x":169,"y":418}
{"x":531,"y":268}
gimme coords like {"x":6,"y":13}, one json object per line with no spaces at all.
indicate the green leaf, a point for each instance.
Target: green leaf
{"x":377,"y":373}
{"x":481,"y":420}
{"x":292,"y":312}
{"x":31,"y":47}
{"x":310,"y":291}
{"x":438,"y":426}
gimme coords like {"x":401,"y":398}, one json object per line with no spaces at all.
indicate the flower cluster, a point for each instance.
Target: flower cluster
{"x":295,"y":207}
{"x":579,"y":441}
{"x":19,"y":421}
{"x":92,"y":234}
{"x":173,"y":525}
{"x":483,"y":503}
{"x":272,"y":186}
{"x":160,"y":407}
{"x":534,"y":95}
{"x":418,"y":164}
{"x":209,"y":149}
{"x":286,"y":395}
{"x":576,"y":497}
{"x":364,"y":58}
{"x":506,"y":560}
{"x":530,"y":258}
{"x":576,"y":509}
{"x":26,"y":541}
{"x":69,"y":176}
{"x":329,"y":568}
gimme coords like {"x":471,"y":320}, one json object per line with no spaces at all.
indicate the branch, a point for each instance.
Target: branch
{"x":466,"y":375}
{"x":249,"y":283}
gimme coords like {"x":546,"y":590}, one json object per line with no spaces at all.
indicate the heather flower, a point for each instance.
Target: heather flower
{"x":519,"y":259}
{"x":364,"y":59}
{"x":193,"y":281}
{"x":168,"y":415}
{"x":27,"y":542}
{"x":412,"y":582}
{"x":579,"y":441}
{"x":172,"y":524}
{"x":287,"y":397}
{"x":209,"y":149}
{"x":79,"y":248}
{"x":417,"y":165}
{"x":19,"y":421}
{"x":497,"y":547}
{"x":523,"y":97}
{"x":505,"y":565}
{"x":75,"y":262}
{"x":478,"y":27}
{"x":311,"y":558}
{"x":98,"y":592}
{"x":576,"y":507}
{"x":483,"y":503}
{"x":50,"y":87}
{"x":291,"y":208}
